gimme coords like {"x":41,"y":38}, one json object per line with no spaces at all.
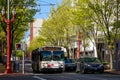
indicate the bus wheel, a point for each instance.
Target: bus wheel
{"x":34,"y":71}
{"x":37,"y":69}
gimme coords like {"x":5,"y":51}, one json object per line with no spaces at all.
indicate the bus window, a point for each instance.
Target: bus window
{"x":46,"y":55}
{"x":58,"y":55}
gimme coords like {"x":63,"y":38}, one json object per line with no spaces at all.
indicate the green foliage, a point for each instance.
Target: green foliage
{"x":24,"y":14}
{"x":105,"y":14}
{"x":58,"y":27}
{"x":116,"y":24}
{"x":36,"y":43}
{"x":105,"y":63}
{"x":19,"y":53}
{"x":83,"y":19}
{"x":2,"y":34}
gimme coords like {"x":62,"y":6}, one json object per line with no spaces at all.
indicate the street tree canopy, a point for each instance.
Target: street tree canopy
{"x":25,"y":10}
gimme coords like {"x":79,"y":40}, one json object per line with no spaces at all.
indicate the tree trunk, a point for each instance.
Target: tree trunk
{"x":111,"y":60}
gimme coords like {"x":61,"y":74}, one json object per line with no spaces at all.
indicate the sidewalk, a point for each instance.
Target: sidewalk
{"x":2,"y":69}
{"x":15,"y":74}
{"x":113,"y":72}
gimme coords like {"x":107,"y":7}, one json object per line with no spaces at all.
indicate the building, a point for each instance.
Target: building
{"x":35,"y":26}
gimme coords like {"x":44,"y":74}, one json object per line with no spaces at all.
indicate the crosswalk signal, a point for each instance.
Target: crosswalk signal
{"x":18,"y":46}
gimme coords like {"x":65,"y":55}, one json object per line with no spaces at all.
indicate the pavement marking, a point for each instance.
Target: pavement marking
{"x":68,"y":78}
{"x":92,"y":78}
{"x":37,"y":77}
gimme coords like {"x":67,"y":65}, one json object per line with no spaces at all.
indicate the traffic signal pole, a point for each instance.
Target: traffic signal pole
{"x":22,"y":47}
{"x":23,"y":64}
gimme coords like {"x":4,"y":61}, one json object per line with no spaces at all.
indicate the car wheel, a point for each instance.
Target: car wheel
{"x":102,"y":71}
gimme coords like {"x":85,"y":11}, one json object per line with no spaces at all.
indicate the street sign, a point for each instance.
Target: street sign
{"x":20,"y":46}
{"x":23,"y":46}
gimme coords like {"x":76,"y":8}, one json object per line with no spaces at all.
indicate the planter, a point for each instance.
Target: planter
{"x":106,"y":65}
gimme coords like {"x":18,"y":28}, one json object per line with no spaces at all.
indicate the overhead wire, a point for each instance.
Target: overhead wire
{"x":43,"y":3}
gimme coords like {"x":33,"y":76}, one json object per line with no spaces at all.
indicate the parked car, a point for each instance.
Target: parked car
{"x":89,"y":64}
{"x":70,"y":64}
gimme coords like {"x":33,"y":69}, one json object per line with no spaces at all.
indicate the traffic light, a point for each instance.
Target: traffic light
{"x":18,"y":46}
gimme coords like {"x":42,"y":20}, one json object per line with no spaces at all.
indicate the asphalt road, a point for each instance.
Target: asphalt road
{"x":60,"y":76}
{"x":57,"y":76}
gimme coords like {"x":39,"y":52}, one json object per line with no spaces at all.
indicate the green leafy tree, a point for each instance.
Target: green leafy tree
{"x":104,"y":15}
{"x":24,"y":13}
{"x":58,"y":28}
{"x":36,"y":43}
{"x":84,"y":24}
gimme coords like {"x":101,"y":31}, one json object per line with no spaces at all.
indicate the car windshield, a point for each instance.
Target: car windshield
{"x":58,"y":55}
{"x":91,"y":60}
{"x":68,"y":61}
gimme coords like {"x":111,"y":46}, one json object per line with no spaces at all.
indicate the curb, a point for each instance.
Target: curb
{"x":113,"y":72}
{"x":14,"y":74}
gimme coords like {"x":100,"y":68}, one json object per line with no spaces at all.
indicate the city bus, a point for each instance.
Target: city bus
{"x":48,"y":58}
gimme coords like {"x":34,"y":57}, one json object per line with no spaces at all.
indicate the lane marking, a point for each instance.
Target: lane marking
{"x":68,"y":78}
{"x":37,"y":77}
{"x":90,"y":77}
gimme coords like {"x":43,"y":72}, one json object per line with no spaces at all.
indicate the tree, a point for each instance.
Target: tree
{"x":104,"y":15}
{"x":24,"y":14}
{"x":57,"y":28}
{"x":84,"y":24}
{"x":36,"y":43}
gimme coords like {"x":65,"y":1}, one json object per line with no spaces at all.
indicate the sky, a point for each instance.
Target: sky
{"x":44,"y":7}
{"x":44,"y":10}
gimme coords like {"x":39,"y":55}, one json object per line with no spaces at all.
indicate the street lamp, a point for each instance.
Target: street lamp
{"x":8,"y":22}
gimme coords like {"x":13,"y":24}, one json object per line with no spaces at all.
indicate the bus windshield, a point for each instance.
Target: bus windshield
{"x":46,"y":55}
{"x":58,"y":55}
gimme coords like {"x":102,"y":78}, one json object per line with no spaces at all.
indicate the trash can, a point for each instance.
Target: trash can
{"x":16,"y":66}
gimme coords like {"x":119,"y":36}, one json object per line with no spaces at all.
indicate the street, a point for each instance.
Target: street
{"x":61,"y":76}
{"x":29,"y":75}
